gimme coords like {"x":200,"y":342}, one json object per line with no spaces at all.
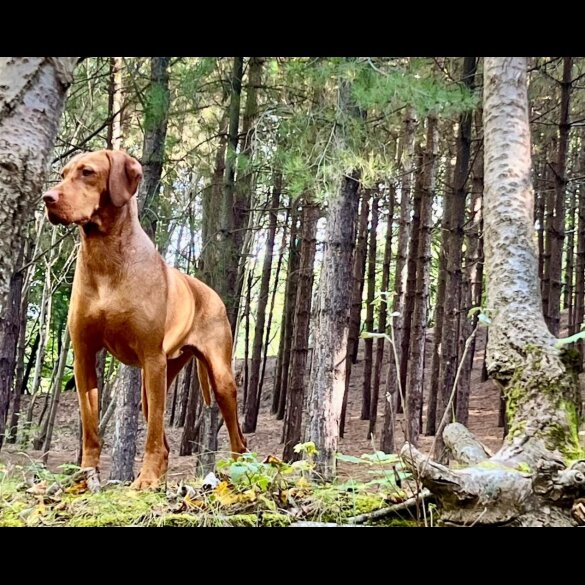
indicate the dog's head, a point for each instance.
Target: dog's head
{"x":92,"y":182}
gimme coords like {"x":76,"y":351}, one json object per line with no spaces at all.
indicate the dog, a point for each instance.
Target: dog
{"x":125,"y":298}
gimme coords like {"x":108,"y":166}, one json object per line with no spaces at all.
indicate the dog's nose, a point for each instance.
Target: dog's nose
{"x":51,"y":197}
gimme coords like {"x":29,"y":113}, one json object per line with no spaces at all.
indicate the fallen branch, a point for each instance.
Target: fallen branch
{"x":384,"y":512}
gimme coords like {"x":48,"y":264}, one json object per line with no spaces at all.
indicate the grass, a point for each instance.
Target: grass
{"x":248,"y":492}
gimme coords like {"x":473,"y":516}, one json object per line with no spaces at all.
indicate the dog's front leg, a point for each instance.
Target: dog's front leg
{"x":156,"y":454}
{"x":87,"y":393}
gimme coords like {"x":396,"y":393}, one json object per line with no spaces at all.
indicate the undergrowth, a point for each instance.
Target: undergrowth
{"x":246,"y":492}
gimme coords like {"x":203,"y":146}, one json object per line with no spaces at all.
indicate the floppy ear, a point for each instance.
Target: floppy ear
{"x":125,"y":174}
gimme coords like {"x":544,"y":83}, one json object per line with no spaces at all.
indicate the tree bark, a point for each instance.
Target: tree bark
{"x":528,"y":482}
{"x":286,"y":326}
{"x":190,"y":429}
{"x":48,"y":434}
{"x":9,"y":335}
{"x":414,"y":393}
{"x":560,"y":181}
{"x":355,"y":311}
{"x":32,"y":96}
{"x":404,"y":230}
{"x":450,"y":327}
{"x":369,"y":323}
{"x":126,"y":429}
{"x":382,"y":316}
{"x":300,"y":337}
{"x":253,"y":402}
{"x":326,"y":383}
{"x":156,"y":117}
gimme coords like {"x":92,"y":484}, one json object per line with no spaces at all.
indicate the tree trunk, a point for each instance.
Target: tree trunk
{"x":286,"y":328}
{"x":558,"y":223}
{"x":185,"y":382}
{"x":369,"y":324}
{"x":245,"y":183}
{"x":10,"y":324}
{"x":272,"y":301}
{"x":156,"y":117}
{"x":359,"y":271}
{"x":300,"y":338}
{"x":253,"y":402}
{"x":246,"y":377}
{"x":404,"y":230}
{"x":580,"y":262}
{"x":526,"y":482}
{"x":230,"y":253}
{"x":450,"y":328}
{"x":32,"y":96}
{"x":414,"y":393}
{"x":114,"y":137}
{"x":126,"y":429}
{"x":474,"y":281}
{"x":382,"y":316}
{"x":410,"y":290}
{"x":326,"y":384}
{"x":21,"y":389}
{"x":359,"y":263}
{"x":48,"y":434}
{"x":190,"y":429}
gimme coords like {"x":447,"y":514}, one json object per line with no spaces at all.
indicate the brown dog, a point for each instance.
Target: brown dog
{"x":127,"y":299}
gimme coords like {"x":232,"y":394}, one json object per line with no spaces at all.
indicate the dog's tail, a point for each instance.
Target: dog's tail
{"x":204,"y":382}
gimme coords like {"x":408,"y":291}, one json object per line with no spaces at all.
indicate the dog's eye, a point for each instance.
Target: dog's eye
{"x":87,"y":172}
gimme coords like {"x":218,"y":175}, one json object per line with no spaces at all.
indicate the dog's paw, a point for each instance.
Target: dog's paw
{"x":145,"y":481}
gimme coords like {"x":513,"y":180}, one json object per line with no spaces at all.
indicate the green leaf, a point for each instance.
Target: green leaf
{"x":349,"y":458}
{"x":570,"y":339}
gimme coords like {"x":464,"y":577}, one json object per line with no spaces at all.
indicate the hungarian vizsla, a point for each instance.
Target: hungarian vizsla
{"x":127,"y":299}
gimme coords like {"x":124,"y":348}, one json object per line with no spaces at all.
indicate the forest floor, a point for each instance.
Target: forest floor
{"x":483,"y":422}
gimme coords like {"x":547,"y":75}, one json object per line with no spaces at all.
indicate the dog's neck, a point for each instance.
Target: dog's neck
{"x":113,"y":235}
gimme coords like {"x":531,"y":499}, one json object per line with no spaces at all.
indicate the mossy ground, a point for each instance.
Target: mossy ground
{"x":32,"y":496}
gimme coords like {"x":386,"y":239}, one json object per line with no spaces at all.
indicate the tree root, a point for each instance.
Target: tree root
{"x":497,"y":491}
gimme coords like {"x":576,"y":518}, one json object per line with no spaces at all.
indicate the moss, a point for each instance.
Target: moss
{"x":566,"y":440}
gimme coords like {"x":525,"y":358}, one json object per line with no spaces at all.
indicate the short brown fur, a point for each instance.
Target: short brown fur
{"x":127,"y":299}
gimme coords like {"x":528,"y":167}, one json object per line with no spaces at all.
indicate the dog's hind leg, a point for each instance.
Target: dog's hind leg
{"x":219,"y":369}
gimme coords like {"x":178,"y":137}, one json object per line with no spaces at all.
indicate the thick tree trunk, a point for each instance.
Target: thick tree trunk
{"x":326,"y":385}
{"x":450,"y":327}
{"x":326,"y":382}
{"x":414,"y":393}
{"x":32,"y":95}
{"x":527,"y":481}
{"x":253,"y":402}
{"x":300,"y":338}
{"x":382,"y":316}
{"x":369,"y":323}
{"x":560,"y":180}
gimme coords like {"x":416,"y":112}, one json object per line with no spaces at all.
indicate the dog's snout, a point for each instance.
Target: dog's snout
{"x":51,"y":197}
